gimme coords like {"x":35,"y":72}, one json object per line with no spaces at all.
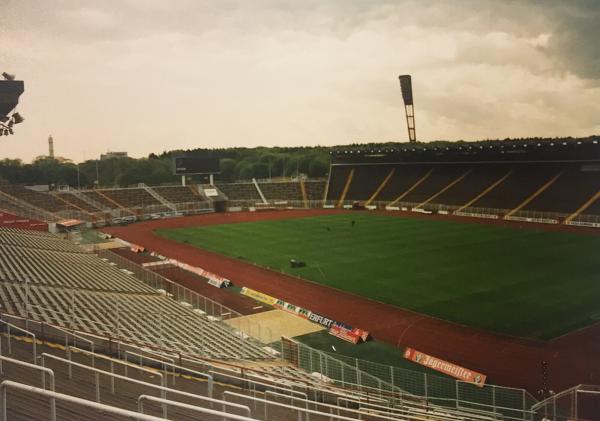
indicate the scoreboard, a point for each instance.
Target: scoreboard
{"x":187,"y":165}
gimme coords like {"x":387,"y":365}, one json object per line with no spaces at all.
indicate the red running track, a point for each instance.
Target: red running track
{"x":506,"y":360}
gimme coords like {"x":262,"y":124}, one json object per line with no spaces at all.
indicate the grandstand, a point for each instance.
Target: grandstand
{"x":179,"y":194}
{"x":41,"y":202}
{"x":275,"y":193}
{"x":518,"y":180}
{"x":101,"y":206}
{"x":51,"y":289}
{"x":89,"y":385}
{"x":129,"y":198}
{"x":246,"y":193}
{"x":64,"y":286}
{"x":293,"y":192}
{"x":15,"y":221}
{"x":78,"y":201}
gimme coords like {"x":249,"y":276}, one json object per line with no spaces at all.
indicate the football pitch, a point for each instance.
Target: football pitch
{"x":522,"y":282}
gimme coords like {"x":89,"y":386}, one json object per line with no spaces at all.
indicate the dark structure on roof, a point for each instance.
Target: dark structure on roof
{"x":10,"y":91}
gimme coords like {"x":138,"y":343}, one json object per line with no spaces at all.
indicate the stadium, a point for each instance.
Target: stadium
{"x":398,"y":281}
{"x":391,"y":244}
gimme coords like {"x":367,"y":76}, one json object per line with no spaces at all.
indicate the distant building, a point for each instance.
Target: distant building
{"x":50,"y":147}
{"x":112,"y":155}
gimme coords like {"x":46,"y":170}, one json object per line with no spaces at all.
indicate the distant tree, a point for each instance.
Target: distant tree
{"x":318,"y":167}
{"x":227,"y":166}
{"x":244,"y":171}
{"x":260,"y":170}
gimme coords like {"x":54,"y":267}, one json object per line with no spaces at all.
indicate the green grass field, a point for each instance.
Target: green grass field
{"x":522,"y":282}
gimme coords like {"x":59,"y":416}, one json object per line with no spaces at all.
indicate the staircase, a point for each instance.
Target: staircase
{"x":262,"y":196}
{"x":74,"y":205}
{"x":220,"y":197}
{"x":304,"y":195}
{"x":199,"y":192}
{"x":90,"y":201}
{"x":158,"y":197}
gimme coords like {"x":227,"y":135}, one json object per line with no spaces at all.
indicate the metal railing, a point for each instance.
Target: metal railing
{"x":175,"y":369}
{"x":225,"y":415}
{"x":45,"y":371}
{"x":254,"y":385}
{"x":112,"y":329}
{"x":258,"y":383}
{"x":275,"y":204}
{"x":112,"y":362}
{"x":330,"y":407}
{"x":9,"y":327}
{"x":586,"y":220}
{"x":68,"y":347}
{"x":266,"y":403}
{"x":479,"y":212}
{"x":341,"y":373}
{"x":423,"y":408}
{"x":374,"y":379}
{"x":352,"y":373}
{"x":162,"y":389}
{"x":145,"y":212}
{"x":255,"y":381}
{"x":192,"y":299}
{"x":8,"y":384}
{"x":155,"y":359}
{"x":579,"y":402}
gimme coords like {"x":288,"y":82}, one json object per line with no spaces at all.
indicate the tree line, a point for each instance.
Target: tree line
{"x":235,"y":163}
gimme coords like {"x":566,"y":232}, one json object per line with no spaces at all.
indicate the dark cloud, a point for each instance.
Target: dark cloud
{"x":576,"y":36}
{"x":574,"y":25}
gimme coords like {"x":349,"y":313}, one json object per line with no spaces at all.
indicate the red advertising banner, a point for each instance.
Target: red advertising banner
{"x":214,"y":279}
{"x":345,"y":334}
{"x":352,"y":335}
{"x":445,"y":367}
{"x":137,"y":249}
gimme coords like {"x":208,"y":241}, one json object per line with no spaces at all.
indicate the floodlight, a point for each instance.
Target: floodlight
{"x":8,"y":76}
{"x":407,"y":96}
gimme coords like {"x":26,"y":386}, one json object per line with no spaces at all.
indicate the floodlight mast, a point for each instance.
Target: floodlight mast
{"x":407,"y":96}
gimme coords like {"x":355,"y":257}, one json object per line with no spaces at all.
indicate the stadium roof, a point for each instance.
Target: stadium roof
{"x":567,"y":149}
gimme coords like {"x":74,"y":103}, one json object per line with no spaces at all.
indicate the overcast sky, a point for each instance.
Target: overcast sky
{"x":151,"y":75}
